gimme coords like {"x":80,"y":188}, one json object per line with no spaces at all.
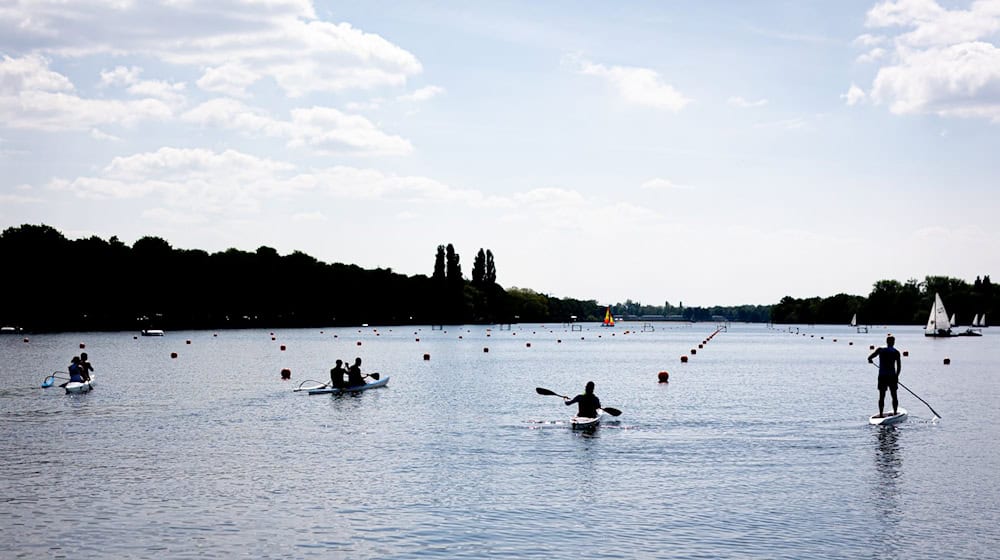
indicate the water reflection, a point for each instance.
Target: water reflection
{"x":887,"y":487}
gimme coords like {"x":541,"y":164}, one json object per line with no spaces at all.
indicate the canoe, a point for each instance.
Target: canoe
{"x":585,"y":422}
{"x":356,"y":389}
{"x":80,"y":387}
{"x":889,"y":418}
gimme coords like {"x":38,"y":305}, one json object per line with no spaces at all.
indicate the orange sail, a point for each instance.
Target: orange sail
{"x":609,"y":320}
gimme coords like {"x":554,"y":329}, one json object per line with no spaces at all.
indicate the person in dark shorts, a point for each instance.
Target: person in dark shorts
{"x":889,"y":366}
{"x":85,"y":367}
{"x":587,"y":403}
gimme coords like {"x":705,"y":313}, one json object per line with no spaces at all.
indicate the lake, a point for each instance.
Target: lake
{"x":758,"y":447}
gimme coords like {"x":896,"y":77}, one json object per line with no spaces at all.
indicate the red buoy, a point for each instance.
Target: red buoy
{"x":486,"y":349}
{"x":947,"y":361}
{"x":684,"y":359}
{"x":906,"y":352}
{"x":694,"y":351}
{"x":528,"y":345}
{"x":427,"y":357}
{"x":187,"y":342}
{"x":173,"y":354}
{"x":663,"y":377}
{"x":286,"y":373}
{"x":282,"y":347}
{"x":82,"y":345}
{"x":359,"y":343}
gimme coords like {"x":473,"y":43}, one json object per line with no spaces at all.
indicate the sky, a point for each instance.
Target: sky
{"x":692,"y":152}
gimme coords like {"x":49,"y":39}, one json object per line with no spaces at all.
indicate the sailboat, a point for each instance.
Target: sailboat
{"x":974,"y":329}
{"x":938,"y":323}
{"x":975,"y":321}
{"x":854,"y":320}
{"x":609,"y":320}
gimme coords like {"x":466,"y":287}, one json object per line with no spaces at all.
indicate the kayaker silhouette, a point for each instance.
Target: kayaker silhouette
{"x":587,"y":403}
{"x":354,"y":377}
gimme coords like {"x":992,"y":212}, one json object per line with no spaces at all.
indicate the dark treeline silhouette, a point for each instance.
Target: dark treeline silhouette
{"x":893,"y":303}
{"x":738,"y":313}
{"x":52,"y":283}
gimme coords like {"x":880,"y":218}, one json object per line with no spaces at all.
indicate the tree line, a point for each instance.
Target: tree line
{"x":894,"y":303}
{"x":52,"y":283}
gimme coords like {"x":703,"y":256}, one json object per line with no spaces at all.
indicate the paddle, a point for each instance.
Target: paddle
{"x":919,"y":399}
{"x":544,"y":391}
{"x":898,"y":382}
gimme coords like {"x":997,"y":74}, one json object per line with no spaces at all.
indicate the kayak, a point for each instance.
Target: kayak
{"x":80,"y":386}
{"x":356,"y":389}
{"x":889,"y":418}
{"x":585,"y":422}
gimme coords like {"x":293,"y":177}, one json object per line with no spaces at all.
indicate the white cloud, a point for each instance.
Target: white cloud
{"x":639,"y":86}
{"x":322,"y":129}
{"x":943,"y":61}
{"x":423,"y":94}
{"x":231,"y":79}
{"x":33,"y":96}
{"x":97,"y":134}
{"x":120,"y":76}
{"x":738,"y":101}
{"x":854,"y":95}
{"x":279,"y":39}
{"x":662,"y":185}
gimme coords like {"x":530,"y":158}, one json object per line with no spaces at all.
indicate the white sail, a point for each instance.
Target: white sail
{"x":953,"y":320}
{"x":854,"y":320}
{"x":982,"y":320}
{"x":938,"y":322}
{"x":975,"y":321}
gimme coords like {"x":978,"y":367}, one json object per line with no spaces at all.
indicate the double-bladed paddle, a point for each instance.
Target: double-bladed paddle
{"x":544,"y":391}
{"x":51,"y":379}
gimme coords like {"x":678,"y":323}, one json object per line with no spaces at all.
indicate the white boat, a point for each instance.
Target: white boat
{"x":586,"y":422}
{"x":152,"y":332}
{"x":938,"y":323}
{"x":888,"y":418}
{"x":80,"y":386}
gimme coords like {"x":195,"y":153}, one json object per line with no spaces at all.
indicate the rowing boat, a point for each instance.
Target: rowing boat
{"x":888,"y":419}
{"x":356,"y":389}
{"x":586,"y":422}
{"x":80,"y":386}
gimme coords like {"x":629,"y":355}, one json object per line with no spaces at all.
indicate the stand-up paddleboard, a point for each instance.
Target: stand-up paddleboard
{"x":889,"y":418}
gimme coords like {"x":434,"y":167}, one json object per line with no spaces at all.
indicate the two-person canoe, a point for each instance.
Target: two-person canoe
{"x":888,"y":418}
{"x":80,"y":386}
{"x":356,"y":389}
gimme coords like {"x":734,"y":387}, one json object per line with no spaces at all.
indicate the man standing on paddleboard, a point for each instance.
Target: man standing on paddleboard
{"x":889,"y":366}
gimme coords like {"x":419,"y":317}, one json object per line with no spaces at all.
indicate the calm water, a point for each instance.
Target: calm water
{"x":758,"y":447}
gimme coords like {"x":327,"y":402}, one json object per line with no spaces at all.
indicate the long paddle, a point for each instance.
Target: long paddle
{"x":544,"y":391}
{"x":898,"y":382}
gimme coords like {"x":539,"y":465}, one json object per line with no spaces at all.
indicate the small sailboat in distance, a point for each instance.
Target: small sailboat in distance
{"x":938,"y":323}
{"x":609,"y":319}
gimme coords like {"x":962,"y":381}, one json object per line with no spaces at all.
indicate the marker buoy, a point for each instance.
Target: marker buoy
{"x":82,"y":345}
{"x":173,"y":355}
{"x":850,"y":343}
{"x":694,"y":351}
{"x":135,"y":338}
{"x":286,"y":373}
{"x":947,"y":361}
{"x":559,"y":341}
{"x":282,"y":347}
{"x":871,"y":346}
{"x":528,"y":345}
{"x":187,"y":342}
{"x":418,"y":340}
{"x":663,"y":377}
{"x":427,"y":357}
{"x":25,"y":339}
{"x":359,"y":343}
{"x":906,"y":352}
{"x":485,"y":349}
{"x":684,"y":359}
{"x":701,"y":346}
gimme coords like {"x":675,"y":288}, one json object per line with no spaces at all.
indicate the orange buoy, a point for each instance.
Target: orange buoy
{"x":359,"y":343}
{"x":684,"y":359}
{"x":906,"y":352}
{"x":418,"y":340}
{"x":427,"y":357}
{"x":559,"y":341}
{"x":528,"y":345}
{"x":947,"y":361}
{"x":82,"y":345}
{"x":282,"y":347}
{"x":485,"y":349}
{"x":701,"y":346}
{"x":187,"y":342}
{"x":286,"y":373}
{"x":694,"y":351}
{"x":871,"y":346}
{"x":173,"y":354}
{"x":273,"y":339}
{"x":663,"y":377}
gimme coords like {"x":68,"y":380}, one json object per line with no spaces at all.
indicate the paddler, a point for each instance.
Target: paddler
{"x":889,"y":366}
{"x":354,"y":377}
{"x":587,"y":403}
{"x":85,"y":367}
{"x":337,"y":375}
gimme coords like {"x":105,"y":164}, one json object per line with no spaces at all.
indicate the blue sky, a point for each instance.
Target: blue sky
{"x":697,"y":152}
